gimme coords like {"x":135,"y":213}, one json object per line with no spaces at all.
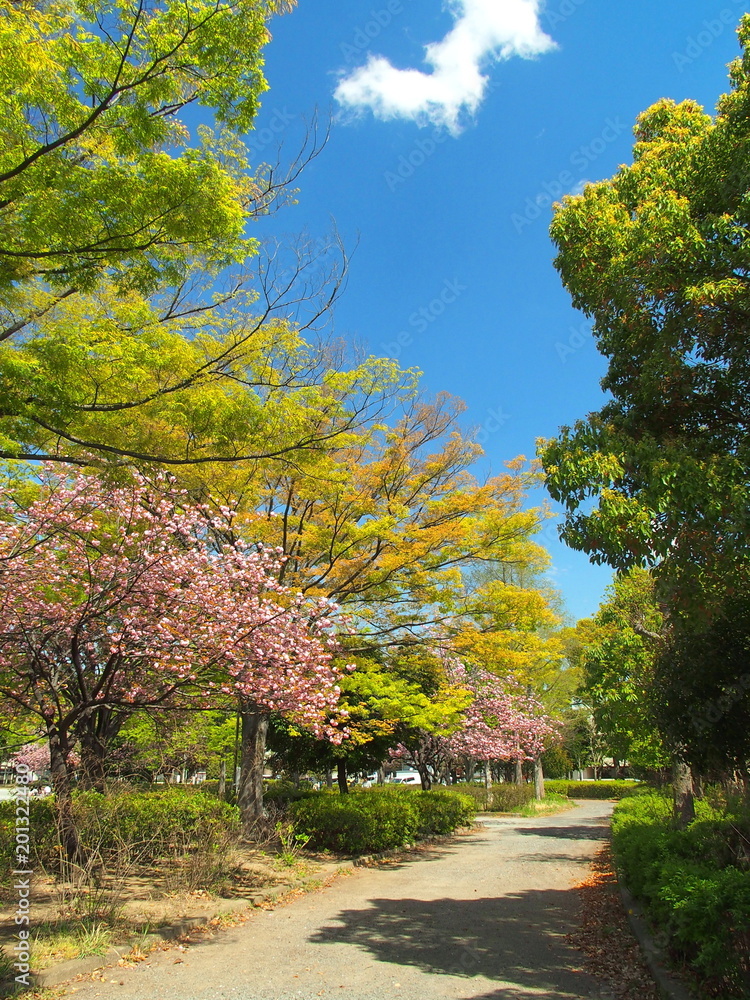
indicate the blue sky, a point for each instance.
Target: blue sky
{"x":443,"y":182}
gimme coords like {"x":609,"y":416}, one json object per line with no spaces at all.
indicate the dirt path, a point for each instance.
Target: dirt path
{"x":483,"y":918}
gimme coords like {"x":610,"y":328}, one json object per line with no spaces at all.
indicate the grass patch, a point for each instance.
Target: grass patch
{"x":551,"y":804}
{"x":65,"y":940}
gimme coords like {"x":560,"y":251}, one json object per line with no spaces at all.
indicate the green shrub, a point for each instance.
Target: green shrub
{"x":591,"y":789}
{"x":355,"y":823}
{"x":688,"y":885}
{"x":283,"y":793}
{"x":42,"y":835}
{"x":502,"y":797}
{"x":441,"y":811}
{"x":378,"y":819}
{"x":152,"y":824}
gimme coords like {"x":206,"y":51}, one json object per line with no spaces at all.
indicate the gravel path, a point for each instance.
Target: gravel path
{"x":482,"y":918}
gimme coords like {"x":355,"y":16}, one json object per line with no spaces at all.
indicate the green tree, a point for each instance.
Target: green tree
{"x":98,"y":173}
{"x":702,"y":691}
{"x":659,"y":256}
{"x":150,"y":744}
{"x":581,"y":740}
{"x":618,"y":670}
{"x":383,"y":704}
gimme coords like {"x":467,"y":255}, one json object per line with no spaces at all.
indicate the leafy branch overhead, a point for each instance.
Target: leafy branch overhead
{"x":98,"y":172}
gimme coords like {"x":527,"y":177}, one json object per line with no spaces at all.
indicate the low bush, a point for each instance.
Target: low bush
{"x":283,"y":793}
{"x":591,"y":789}
{"x":502,"y":797}
{"x":694,"y":883}
{"x":148,"y":824}
{"x":441,"y":812}
{"x":378,"y":819}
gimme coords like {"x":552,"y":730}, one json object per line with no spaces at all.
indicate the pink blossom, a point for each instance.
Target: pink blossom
{"x":113,"y":596}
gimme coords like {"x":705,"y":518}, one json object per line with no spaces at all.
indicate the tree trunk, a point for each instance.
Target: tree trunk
{"x":341,"y":777}
{"x":381,"y":775}
{"x":698,"y":791}
{"x":425,"y":777}
{"x":329,"y":778}
{"x":93,"y":750}
{"x":538,"y":779}
{"x":253,"y":754}
{"x":95,"y":733}
{"x":222,"y":791}
{"x":682,"y":784}
{"x":64,"y":818}
{"x":487,"y":775}
{"x":518,"y":778}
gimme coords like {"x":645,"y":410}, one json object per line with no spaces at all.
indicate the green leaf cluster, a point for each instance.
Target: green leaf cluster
{"x":658,"y":256}
{"x":97,"y":171}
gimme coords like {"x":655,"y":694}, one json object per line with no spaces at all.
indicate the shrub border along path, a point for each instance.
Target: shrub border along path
{"x":649,"y":949}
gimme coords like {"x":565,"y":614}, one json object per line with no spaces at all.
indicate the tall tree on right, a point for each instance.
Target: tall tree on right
{"x":659,"y":257}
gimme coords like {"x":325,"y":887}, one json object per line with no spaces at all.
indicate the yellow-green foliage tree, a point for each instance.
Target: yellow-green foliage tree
{"x":192,"y":374}
{"x":98,"y":172}
{"x":390,"y":523}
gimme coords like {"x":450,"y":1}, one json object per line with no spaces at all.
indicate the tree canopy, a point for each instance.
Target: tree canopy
{"x":659,"y":257}
{"x":98,"y":171}
{"x":621,"y":645}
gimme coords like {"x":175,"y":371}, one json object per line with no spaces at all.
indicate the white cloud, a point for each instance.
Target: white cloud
{"x":484,"y":31}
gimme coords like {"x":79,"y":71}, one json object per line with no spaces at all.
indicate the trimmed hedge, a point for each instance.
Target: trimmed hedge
{"x":152,"y":823}
{"x":591,"y":789}
{"x":503,"y":797}
{"x":694,"y":883}
{"x":379,"y":819}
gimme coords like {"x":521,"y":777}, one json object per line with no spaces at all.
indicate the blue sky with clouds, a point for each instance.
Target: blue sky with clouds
{"x":455,"y":127}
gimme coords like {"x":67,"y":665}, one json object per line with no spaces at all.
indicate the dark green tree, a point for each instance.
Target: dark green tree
{"x":702,"y":691}
{"x":659,"y":257}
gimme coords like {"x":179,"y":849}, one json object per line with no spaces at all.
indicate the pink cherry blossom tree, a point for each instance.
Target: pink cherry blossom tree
{"x":36,"y":757}
{"x":33,"y":757}
{"x":501,"y":723}
{"x":113,"y":599}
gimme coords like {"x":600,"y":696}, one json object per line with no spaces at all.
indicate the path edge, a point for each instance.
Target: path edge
{"x":670,"y":988}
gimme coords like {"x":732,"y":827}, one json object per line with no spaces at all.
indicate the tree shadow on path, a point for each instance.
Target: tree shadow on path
{"x":517,"y":939}
{"x":592,"y":831}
